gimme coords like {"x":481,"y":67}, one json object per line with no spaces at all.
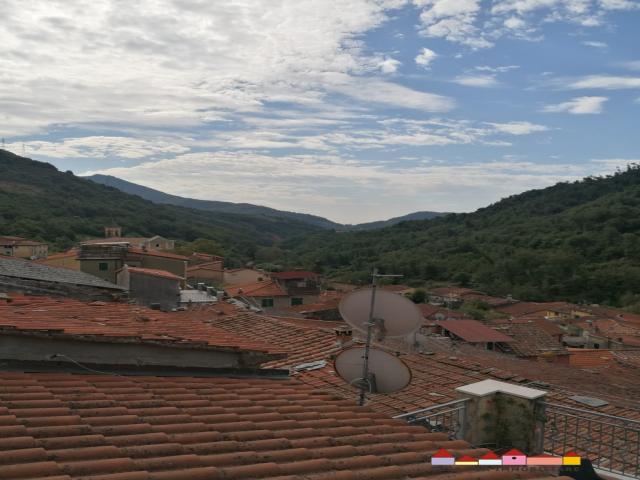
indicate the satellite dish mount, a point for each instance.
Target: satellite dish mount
{"x":368,"y":380}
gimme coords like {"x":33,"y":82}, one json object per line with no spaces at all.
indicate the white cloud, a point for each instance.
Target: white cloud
{"x":377,"y":91}
{"x":502,"y":69}
{"x":99,"y":147}
{"x":328,"y":184}
{"x":452,"y":20}
{"x":425,"y":57}
{"x":389,"y":65}
{"x":632,"y":65}
{"x":619,"y":4}
{"x":606,"y":82}
{"x":173,"y":64}
{"x":594,"y":44}
{"x":480,"y":24}
{"x":578,"y":106}
{"x":519,"y":128}
{"x":514,"y":23}
{"x":476,"y":80}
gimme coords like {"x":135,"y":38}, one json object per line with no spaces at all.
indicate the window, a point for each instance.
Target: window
{"x":296,"y":301}
{"x":103,"y":266}
{"x":267,"y":302}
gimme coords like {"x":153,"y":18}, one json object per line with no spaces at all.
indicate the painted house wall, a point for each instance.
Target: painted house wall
{"x":148,"y":289}
{"x":70,"y":262}
{"x":92,"y":267}
{"x":207,"y":276}
{"x":245,"y":275}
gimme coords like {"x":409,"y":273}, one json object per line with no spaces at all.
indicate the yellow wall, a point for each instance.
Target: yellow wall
{"x":66,"y":262}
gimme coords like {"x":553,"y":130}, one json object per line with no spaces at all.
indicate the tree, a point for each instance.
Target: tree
{"x":419,"y":295}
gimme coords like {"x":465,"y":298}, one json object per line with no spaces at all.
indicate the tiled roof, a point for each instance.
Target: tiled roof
{"x":303,"y":342}
{"x":529,"y":339}
{"x":215,"y":266}
{"x":134,"y":240}
{"x":68,"y":254}
{"x":18,"y":241}
{"x":154,"y":272}
{"x":435,"y":376}
{"x":17,"y":268}
{"x":524,"y":308}
{"x":473,"y":331}
{"x":294,"y":274}
{"x":71,"y":427}
{"x":452,"y":291}
{"x":157,"y":253}
{"x":589,"y":357}
{"x":431,"y":312}
{"x":322,"y":306}
{"x":265,"y":288}
{"x":488,"y":299}
{"x":118,"y":322}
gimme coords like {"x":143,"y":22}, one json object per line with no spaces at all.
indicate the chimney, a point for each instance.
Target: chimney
{"x":503,"y":414}
{"x":344,"y":336}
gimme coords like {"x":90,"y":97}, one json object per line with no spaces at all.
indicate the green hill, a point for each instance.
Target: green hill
{"x":39,"y":202}
{"x":577,"y":241}
{"x":157,"y":196}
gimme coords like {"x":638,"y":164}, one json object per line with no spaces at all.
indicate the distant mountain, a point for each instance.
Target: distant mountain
{"x":577,"y":241}
{"x":157,"y":196}
{"x":37,"y":201}
{"x":392,"y":221}
{"x":247,"y":208}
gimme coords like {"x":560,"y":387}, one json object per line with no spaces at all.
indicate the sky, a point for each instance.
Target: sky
{"x":355,"y":110}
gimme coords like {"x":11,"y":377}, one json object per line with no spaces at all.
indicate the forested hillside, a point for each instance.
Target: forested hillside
{"x":157,"y":196}
{"x":39,"y":202}
{"x":578,"y":241}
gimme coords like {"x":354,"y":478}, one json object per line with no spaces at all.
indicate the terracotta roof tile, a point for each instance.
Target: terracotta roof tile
{"x":338,"y":439}
{"x":118,"y":322}
{"x":473,"y":331}
{"x":153,"y":272}
{"x":265,"y":288}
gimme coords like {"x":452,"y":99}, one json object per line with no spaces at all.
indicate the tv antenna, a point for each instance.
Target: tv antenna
{"x":386,"y":314}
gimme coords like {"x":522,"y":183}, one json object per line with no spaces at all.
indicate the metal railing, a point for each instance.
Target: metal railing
{"x":445,"y":417}
{"x":611,"y":443}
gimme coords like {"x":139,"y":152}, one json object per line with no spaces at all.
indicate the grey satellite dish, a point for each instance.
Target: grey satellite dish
{"x":386,"y":373}
{"x":393,"y":314}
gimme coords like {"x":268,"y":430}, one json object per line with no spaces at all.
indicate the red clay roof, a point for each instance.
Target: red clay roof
{"x":154,"y":273}
{"x":70,"y":427}
{"x":18,"y":241}
{"x":303,"y":341}
{"x":215,"y":266}
{"x":118,"y":322}
{"x":157,"y":253}
{"x":294,"y":274}
{"x":70,"y":253}
{"x":452,"y":291}
{"x":529,"y":340}
{"x":473,"y":331}
{"x":590,"y":357}
{"x":265,"y":288}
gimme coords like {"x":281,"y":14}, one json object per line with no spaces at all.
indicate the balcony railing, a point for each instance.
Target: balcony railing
{"x":611,"y":443}
{"x":445,"y":417}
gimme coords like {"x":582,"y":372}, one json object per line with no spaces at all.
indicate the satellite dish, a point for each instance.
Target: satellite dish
{"x":387,"y":373}
{"x":393,"y":314}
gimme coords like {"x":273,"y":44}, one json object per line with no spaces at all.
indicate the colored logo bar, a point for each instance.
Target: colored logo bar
{"x":513,"y":457}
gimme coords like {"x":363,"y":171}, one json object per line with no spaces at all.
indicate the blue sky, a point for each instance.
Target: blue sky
{"x":356,"y":110}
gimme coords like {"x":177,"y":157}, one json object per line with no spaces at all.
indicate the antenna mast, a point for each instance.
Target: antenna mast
{"x":365,"y":383}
